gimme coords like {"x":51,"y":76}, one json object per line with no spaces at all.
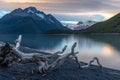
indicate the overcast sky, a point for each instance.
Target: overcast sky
{"x":68,"y":10}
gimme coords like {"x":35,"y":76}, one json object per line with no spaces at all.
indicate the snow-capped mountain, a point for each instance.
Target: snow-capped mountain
{"x":29,"y":20}
{"x":84,"y":25}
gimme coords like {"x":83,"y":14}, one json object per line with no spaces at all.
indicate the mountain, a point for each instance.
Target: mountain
{"x":29,"y":20}
{"x":84,"y":25}
{"x":111,"y":25}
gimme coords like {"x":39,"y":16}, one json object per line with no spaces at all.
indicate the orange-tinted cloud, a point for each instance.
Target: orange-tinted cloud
{"x":23,"y":1}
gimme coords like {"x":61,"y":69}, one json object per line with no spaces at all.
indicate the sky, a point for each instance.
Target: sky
{"x":67,"y":10}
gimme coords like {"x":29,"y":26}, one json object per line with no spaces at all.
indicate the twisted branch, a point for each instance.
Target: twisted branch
{"x":9,"y":54}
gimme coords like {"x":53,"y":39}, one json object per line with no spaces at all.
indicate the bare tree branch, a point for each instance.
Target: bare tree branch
{"x":9,"y":54}
{"x":93,"y":60}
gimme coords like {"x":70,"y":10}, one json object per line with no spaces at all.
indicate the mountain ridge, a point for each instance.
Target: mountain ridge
{"x":111,"y":25}
{"x":29,"y":20}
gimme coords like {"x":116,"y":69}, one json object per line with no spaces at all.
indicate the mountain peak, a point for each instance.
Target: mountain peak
{"x":19,"y":10}
{"x":31,"y":9}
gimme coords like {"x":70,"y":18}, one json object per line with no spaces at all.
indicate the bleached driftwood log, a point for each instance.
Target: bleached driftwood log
{"x":42,"y":60}
{"x":10,"y":54}
{"x":31,"y":57}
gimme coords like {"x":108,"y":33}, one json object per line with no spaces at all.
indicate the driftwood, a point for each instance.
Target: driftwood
{"x":10,"y":54}
{"x":4,"y":53}
{"x":93,"y":60}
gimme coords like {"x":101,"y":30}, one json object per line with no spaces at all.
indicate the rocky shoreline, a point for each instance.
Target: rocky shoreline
{"x":67,"y":71}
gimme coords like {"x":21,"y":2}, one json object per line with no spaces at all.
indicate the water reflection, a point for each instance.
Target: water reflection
{"x":88,"y":46}
{"x":108,"y":50}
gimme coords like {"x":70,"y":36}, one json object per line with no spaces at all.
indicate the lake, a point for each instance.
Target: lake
{"x":105,"y":47}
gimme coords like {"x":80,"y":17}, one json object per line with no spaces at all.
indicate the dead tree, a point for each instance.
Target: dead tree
{"x":10,"y":54}
{"x":42,"y":60}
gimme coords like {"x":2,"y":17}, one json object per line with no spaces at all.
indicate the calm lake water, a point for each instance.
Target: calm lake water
{"x":105,"y":47}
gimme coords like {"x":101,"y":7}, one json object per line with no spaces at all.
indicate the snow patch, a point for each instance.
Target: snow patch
{"x":40,"y":15}
{"x":36,"y":13}
{"x":51,"y":20}
{"x":30,"y":11}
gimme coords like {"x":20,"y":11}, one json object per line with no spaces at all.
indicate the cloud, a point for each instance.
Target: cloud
{"x":21,"y":1}
{"x":65,"y":8}
{"x":79,"y":17}
{"x":2,"y":13}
